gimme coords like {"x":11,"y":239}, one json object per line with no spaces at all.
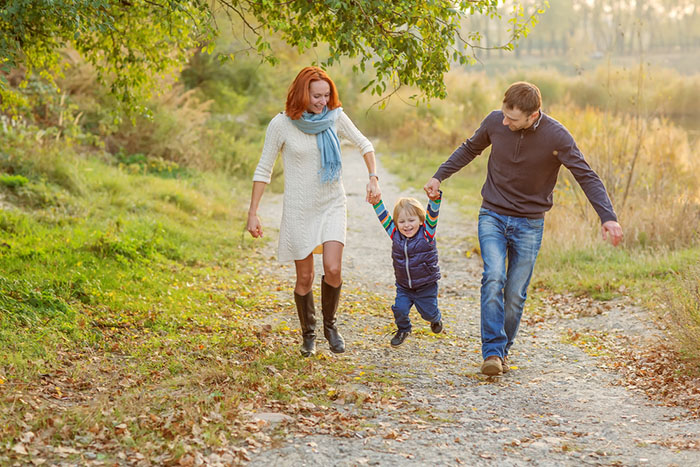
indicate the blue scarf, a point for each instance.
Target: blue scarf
{"x":323,"y":126}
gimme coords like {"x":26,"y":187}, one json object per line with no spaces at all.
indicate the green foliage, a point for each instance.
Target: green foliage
{"x":140,"y":163}
{"x":26,"y":302}
{"x":55,"y":263}
{"x":13,"y":181}
{"x":404,"y":42}
{"x":604,"y":272}
{"x":131,"y":46}
{"x":148,"y":278}
{"x":142,"y":243}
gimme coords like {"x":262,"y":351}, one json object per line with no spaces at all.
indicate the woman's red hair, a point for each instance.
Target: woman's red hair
{"x":298,"y":95}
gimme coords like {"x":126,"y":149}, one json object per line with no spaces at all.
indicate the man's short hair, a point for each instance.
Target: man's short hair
{"x":524,"y":96}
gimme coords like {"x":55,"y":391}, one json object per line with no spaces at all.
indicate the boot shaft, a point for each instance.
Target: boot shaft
{"x":306,"y":312}
{"x":330,"y":296}
{"x":307,"y":320}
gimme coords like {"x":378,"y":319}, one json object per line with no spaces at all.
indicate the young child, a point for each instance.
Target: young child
{"x":415,"y":258}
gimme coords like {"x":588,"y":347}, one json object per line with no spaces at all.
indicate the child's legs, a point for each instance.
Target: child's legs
{"x":401,"y":308}
{"x":426,"y":302}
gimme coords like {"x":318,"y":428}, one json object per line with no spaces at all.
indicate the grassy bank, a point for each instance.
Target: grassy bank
{"x":130,"y":312}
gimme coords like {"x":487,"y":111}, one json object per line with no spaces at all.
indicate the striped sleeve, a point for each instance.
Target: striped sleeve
{"x":431,"y":217}
{"x":385,"y":218}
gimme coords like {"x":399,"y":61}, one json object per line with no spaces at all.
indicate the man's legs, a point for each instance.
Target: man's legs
{"x":523,"y":245}
{"x":493,"y":243}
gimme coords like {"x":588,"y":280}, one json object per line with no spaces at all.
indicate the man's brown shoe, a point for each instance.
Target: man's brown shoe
{"x":492,"y":366}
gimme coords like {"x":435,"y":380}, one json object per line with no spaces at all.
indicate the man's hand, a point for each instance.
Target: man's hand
{"x":612,"y":231}
{"x":432,"y":188}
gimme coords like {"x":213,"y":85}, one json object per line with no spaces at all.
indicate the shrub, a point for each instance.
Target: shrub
{"x":13,"y":181}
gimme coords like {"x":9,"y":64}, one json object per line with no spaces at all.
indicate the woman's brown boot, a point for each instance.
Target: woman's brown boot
{"x":329,"y":305}
{"x":307,"y":319}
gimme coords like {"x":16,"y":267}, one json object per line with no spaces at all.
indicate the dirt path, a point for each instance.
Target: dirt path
{"x":559,"y":407}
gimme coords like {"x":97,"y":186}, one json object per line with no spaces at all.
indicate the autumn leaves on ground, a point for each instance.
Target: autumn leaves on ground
{"x":137,"y":326}
{"x":132,"y":336}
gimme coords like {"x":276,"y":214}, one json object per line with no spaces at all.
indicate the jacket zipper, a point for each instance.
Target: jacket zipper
{"x":408,"y":272}
{"x":517,"y":147}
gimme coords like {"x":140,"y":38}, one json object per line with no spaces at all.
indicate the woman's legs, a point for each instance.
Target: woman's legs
{"x":305,"y":275}
{"x":330,"y":293}
{"x":333,"y":263}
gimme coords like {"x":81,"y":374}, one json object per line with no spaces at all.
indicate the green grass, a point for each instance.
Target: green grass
{"x":131,"y":296}
{"x":604,"y":272}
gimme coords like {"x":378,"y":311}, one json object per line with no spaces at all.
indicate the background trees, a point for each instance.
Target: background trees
{"x":131,"y":43}
{"x":600,"y":27}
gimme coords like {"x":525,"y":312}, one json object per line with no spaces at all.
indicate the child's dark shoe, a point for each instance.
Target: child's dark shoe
{"x":399,"y":337}
{"x":436,"y":327}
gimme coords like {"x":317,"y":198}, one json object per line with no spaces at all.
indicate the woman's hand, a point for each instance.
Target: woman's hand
{"x":254,"y":226}
{"x":374,"y":194}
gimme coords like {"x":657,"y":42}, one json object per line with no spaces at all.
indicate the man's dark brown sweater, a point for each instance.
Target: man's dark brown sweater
{"x":523,"y":167}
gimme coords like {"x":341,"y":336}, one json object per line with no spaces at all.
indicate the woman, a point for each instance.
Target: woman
{"x":313,"y":215}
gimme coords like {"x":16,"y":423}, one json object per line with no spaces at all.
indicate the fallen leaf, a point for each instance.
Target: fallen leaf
{"x":19,"y":449}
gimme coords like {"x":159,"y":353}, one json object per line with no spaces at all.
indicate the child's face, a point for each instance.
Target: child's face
{"x":408,"y":224}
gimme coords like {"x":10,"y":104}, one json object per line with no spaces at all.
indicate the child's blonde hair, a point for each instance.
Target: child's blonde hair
{"x":411,"y":206}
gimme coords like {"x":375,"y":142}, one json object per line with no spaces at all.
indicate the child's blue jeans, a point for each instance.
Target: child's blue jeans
{"x":425,"y":300}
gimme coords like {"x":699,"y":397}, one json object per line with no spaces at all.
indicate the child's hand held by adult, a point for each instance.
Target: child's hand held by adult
{"x":432,"y":188}
{"x":374,"y":193}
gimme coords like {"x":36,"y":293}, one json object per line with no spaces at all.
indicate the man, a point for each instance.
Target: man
{"x":528,"y":148}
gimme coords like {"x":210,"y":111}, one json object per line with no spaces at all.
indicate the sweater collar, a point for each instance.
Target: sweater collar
{"x":534,"y":126}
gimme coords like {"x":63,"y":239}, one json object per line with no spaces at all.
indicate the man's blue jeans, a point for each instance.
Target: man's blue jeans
{"x":504,"y":288}
{"x":425,"y":299}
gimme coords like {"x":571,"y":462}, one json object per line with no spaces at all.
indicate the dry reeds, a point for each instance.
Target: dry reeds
{"x":682,"y":307}
{"x":648,"y":170}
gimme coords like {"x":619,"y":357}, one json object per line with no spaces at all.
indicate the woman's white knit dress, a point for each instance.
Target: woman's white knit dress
{"x":313,"y":212}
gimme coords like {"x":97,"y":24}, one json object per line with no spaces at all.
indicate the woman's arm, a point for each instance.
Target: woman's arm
{"x":347,"y":129}
{"x":254,"y":224}
{"x":274,"y":141}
